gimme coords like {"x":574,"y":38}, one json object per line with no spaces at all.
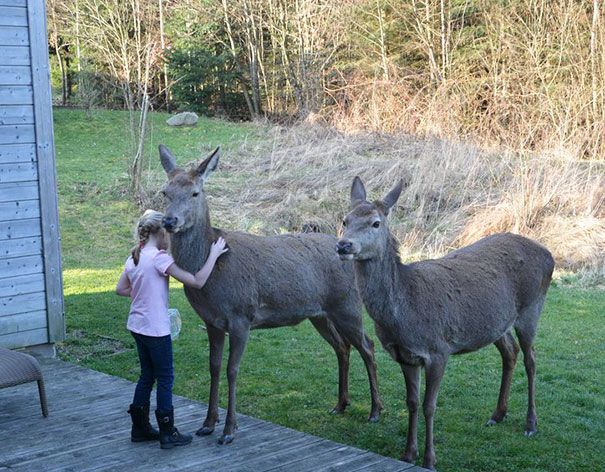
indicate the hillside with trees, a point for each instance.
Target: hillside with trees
{"x":526,"y":74}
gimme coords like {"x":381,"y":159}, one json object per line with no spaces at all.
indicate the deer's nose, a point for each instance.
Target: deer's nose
{"x":344,"y":246}
{"x":169,"y":222}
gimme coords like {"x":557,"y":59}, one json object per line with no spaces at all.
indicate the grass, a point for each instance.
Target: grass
{"x":288,"y":376}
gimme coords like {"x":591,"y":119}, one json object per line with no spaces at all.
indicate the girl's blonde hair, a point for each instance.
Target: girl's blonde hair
{"x":150,"y":223}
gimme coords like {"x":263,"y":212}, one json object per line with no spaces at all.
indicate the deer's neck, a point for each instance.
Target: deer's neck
{"x":191,"y":247}
{"x":382,"y":284}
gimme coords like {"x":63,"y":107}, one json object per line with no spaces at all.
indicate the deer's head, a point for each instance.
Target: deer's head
{"x":366,"y":229}
{"x":184,"y":191}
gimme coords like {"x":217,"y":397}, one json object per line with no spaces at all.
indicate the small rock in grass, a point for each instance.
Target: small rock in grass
{"x":187,"y":118}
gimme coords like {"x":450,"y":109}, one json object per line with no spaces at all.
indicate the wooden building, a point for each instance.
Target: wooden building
{"x":31,"y":297}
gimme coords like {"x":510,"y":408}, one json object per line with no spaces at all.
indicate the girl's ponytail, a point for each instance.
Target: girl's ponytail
{"x":136,"y":252}
{"x":149,"y":223}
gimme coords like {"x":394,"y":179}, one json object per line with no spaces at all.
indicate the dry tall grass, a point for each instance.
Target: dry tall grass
{"x":300,"y":177}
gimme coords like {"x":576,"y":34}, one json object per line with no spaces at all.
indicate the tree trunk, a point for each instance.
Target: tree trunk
{"x":63,"y":77}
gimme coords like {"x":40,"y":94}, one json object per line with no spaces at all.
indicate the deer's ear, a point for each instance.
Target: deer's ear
{"x":167,"y":159}
{"x":392,"y":197}
{"x":358,"y":192}
{"x":208,"y":165}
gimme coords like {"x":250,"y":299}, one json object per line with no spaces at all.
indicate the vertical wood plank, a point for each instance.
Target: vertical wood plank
{"x":46,"y":169}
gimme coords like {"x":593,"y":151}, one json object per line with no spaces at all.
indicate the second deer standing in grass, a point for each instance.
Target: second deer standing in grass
{"x":426,"y":311}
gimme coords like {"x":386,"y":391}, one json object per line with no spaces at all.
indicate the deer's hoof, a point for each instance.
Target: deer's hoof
{"x":496,"y":418}
{"x":374,"y":418}
{"x":531,"y":427}
{"x":226,"y":439}
{"x":339,"y":409}
{"x":410,"y":455}
{"x":205,"y":431}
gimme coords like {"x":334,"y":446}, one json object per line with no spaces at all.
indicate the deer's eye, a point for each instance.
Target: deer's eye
{"x":376,"y":224}
{"x":195,"y":194}
{"x":344,"y":222}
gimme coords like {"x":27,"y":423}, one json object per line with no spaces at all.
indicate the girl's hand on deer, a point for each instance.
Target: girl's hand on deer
{"x":218,"y":248}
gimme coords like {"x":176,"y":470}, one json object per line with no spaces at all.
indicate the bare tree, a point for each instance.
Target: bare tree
{"x":123,"y":36}
{"x":58,"y":21}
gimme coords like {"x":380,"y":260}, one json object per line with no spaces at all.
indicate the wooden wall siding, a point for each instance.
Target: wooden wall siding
{"x":20,"y":172}
{"x":10,"y":153}
{"x":22,"y":303}
{"x":12,"y":324}
{"x":16,"y":95}
{"x":13,"y":14}
{"x":20,"y":134}
{"x":47,"y":180}
{"x":21,"y":247}
{"x":19,"y":210}
{"x":21,"y":284}
{"x":15,"y":75}
{"x":31,"y":303}
{"x":15,"y":192}
{"x":13,"y":3}
{"x":15,"y":55}
{"x":15,"y":229}
{"x":14,"y":36}
{"x":16,"y":115}
{"x":22,"y":265}
{"x":31,"y":337}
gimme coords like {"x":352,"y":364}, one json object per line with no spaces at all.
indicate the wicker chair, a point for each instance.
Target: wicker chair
{"x":17,"y":368}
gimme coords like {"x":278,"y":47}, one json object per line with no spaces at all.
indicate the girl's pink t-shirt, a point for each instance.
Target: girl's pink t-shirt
{"x":149,"y":292}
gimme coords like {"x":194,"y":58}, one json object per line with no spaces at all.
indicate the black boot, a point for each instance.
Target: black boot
{"x":141,"y":428}
{"x":169,"y":435}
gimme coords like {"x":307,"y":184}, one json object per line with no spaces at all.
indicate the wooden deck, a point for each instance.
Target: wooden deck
{"x":88,"y":430}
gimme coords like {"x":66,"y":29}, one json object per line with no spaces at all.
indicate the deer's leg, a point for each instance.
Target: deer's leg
{"x":434,"y":373}
{"x":238,"y":337}
{"x":529,"y":359}
{"x":342,"y":349}
{"x":216,"y":339}
{"x":366,"y":350}
{"x":411,"y":374}
{"x":508,"y":348}
{"x":350,"y":325}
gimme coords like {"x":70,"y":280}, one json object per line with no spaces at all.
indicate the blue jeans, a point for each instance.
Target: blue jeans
{"x":155,"y":356}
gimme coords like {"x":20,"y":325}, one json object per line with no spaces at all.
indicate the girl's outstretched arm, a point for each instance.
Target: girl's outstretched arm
{"x":199,"y":279}
{"x":123,"y":287}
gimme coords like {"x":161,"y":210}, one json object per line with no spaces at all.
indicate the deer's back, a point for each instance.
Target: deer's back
{"x":514,"y":262}
{"x":470,"y":297}
{"x":277,"y":280}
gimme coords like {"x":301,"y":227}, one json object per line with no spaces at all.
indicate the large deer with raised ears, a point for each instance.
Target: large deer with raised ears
{"x":261,"y":282}
{"x":426,"y":311}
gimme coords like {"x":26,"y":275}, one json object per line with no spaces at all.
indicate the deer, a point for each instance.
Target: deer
{"x":426,"y":311}
{"x":261,"y":282}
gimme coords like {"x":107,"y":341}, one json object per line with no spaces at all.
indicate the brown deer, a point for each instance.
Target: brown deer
{"x":261,"y":282}
{"x":426,"y":311}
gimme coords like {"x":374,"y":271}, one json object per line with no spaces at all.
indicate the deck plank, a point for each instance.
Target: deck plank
{"x":384,"y":464}
{"x":88,"y":431}
{"x":205,"y":453}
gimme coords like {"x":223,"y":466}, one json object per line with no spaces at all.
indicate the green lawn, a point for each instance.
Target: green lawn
{"x":288,"y":375}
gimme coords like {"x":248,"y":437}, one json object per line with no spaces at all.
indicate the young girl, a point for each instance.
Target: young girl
{"x":145,"y":280}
